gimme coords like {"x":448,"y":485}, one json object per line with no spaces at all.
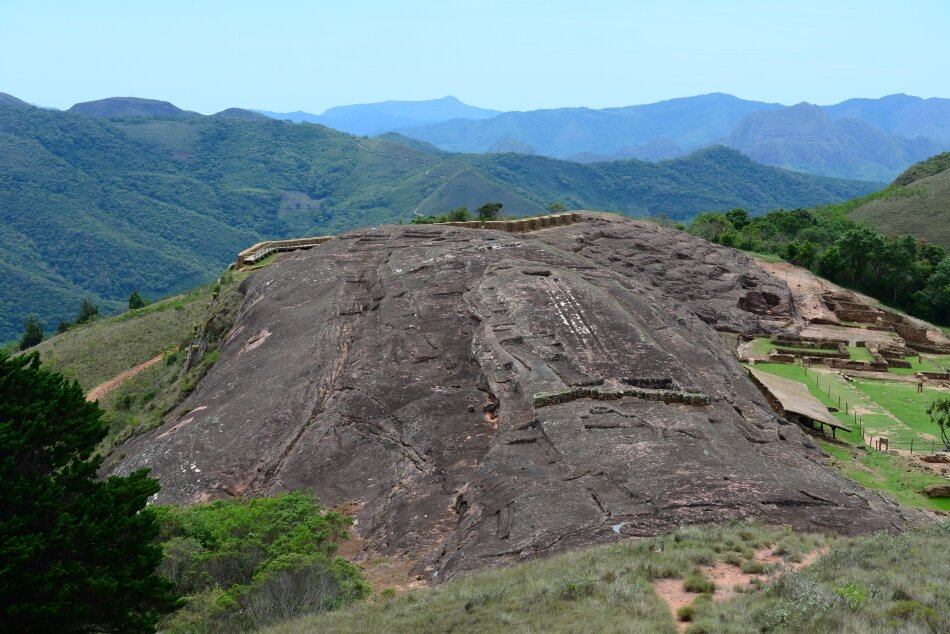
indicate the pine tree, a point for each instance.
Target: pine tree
{"x":32,"y":332}
{"x":78,"y":554}
{"x":136,"y":301}
{"x":87,"y":311}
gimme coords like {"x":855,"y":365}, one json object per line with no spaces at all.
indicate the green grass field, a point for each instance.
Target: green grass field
{"x":890,"y":474}
{"x":762,"y":346}
{"x":888,"y":409}
{"x":903,"y":401}
{"x":929,"y":363}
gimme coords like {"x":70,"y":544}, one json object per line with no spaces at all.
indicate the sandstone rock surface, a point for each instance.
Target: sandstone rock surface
{"x":482,"y":397}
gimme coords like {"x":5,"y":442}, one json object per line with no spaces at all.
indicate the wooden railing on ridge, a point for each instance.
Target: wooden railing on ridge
{"x":261,"y":250}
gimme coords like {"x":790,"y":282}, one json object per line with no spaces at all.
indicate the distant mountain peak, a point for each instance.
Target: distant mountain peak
{"x":10,"y":100}
{"x":129,"y":107}
{"x":239,"y":113}
{"x":388,"y":116}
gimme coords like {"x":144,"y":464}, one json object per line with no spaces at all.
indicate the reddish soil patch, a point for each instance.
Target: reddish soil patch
{"x":381,"y":572}
{"x":727,"y":578}
{"x":806,"y":289}
{"x":103,"y":389}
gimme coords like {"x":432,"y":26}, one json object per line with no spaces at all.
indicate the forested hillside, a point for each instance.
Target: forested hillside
{"x":95,"y":207}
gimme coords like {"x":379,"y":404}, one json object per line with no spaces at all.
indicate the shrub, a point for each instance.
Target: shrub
{"x":136,"y":301}
{"x":571,"y":589}
{"x":271,"y":557}
{"x":686,"y":613}
{"x":904,"y":611}
{"x":853,"y":594}
{"x":699,"y":583}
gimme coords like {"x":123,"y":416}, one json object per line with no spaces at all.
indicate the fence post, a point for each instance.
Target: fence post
{"x":912,"y":446}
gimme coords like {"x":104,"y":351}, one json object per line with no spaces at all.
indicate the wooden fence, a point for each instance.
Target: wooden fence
{"x":261,"y":250}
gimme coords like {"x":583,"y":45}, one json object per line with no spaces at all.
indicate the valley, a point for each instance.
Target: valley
{"x":94,"y":206}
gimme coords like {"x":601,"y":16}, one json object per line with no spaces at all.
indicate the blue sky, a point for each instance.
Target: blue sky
{"x":508,"y":55}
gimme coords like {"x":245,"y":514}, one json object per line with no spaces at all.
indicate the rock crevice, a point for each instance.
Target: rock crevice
{"x":483,"y":397}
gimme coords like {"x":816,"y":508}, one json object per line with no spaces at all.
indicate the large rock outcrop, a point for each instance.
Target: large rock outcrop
{"x":481,"y":397}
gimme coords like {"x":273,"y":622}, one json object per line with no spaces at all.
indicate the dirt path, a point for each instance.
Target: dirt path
{"x":728,"y":579}
{"x":103,"y":389}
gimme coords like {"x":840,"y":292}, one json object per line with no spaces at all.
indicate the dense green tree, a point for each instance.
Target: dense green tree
{"x":556,"y":207}
{"x":77,"y":554}
{"x":939,"y":412}
{"x":935,"y":296}
{"x":902,"y":271}
{"x":136,"y":301}
{"x":63,"y":326}
{"x":489,"y":211}
{"x":32,"y":332}
{"x":739,"y":217}
{"x":710,"y":225}
{"x":87,"y":311}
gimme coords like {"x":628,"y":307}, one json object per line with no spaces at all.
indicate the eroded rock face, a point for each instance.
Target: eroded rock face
{"x":398,"y":370}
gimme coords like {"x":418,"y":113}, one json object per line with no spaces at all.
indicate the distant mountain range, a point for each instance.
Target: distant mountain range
{"x":96,"y":206}
{"x":869,"y":139}
{"x":806,"y":139}
{"x":387,"y":116}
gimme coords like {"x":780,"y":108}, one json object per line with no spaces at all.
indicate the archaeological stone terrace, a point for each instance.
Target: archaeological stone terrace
{"x":476,"y":397}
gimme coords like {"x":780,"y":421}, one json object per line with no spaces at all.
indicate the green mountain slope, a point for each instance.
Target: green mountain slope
{"x":917,"y":203}
{"x":712,"y":178}
{"x":94,"y":207}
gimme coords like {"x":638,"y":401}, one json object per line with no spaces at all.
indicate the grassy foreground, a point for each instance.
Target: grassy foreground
{"x":873,"y":584}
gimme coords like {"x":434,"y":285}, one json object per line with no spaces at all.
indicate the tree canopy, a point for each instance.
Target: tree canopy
{"x":78,"y":554}
{"x":489,"y":211}
{"x":939,"y":412}
{"x":901,"y":271}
